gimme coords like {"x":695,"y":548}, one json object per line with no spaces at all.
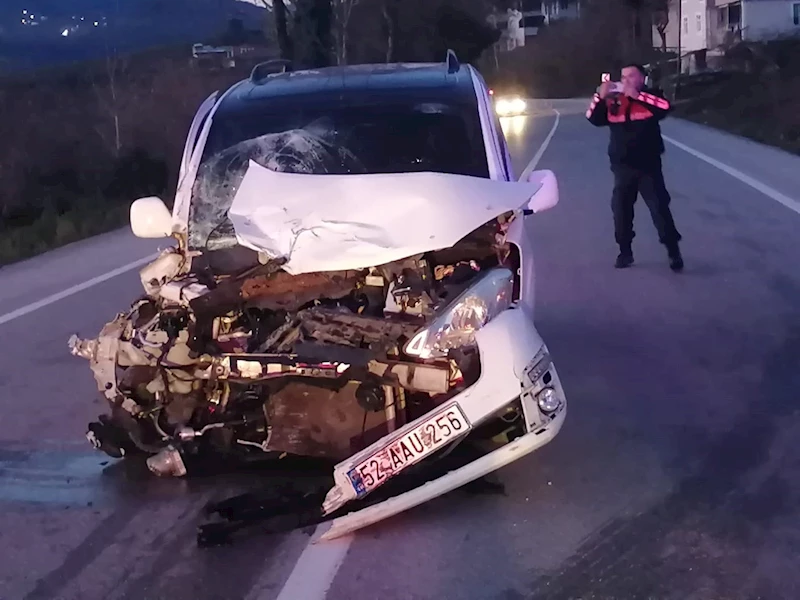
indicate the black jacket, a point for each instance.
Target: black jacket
{"x":635,"y":136}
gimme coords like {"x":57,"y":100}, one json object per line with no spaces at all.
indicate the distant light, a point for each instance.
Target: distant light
{"x":96,"y":23}
{"x":24,"y":12}
{"x":65,"y":33}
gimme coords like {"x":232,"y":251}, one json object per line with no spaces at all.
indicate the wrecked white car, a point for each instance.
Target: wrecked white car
{"x":353,"y":280}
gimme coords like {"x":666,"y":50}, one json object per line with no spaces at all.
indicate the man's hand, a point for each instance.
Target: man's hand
{"x":604,"y":89}
{"x":630,"y":90}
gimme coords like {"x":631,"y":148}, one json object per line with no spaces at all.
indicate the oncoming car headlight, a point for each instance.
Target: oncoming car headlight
{"x":456,"y":324}
{"x":510,"y":106}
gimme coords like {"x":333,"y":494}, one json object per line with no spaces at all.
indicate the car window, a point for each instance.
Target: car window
{"x":329,"y":136}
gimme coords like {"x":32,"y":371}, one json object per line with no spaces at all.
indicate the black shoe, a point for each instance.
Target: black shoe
{"x":624,"y":260}
{"x":675,"y":259}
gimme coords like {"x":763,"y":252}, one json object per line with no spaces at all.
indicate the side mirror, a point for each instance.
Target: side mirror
{"x":546,"y":196}
{"x":150,"y":218}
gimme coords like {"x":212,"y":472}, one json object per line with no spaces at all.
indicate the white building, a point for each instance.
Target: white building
{"x":530,"y":16}
{"x":554,"y":10}
{"x":709,"y":24}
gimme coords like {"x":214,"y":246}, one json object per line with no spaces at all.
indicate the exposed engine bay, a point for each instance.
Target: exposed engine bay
{"x":256,"y":363}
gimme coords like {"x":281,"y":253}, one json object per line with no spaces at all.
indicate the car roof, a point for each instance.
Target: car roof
{"x":427,"y":79}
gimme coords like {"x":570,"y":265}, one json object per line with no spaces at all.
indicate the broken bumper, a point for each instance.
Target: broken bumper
{"x":515,"y":365}
{"x":447,"y":483}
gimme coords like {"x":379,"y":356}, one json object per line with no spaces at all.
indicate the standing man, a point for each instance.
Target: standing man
{"x":635,"y":148}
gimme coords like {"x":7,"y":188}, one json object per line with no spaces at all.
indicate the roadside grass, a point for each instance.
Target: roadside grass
{"x":70,"y":169}
{"x":766,"y":110}
{"x":52,"y":230}
{"x":759,"y":97}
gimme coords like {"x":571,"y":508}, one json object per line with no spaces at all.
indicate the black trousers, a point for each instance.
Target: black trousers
{"x":629,"y":182}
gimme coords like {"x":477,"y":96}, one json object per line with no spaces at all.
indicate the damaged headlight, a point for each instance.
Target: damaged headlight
{"x":456,"y":324}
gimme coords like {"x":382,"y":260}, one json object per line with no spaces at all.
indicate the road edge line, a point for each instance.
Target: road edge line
{"x":757,"y":185}
{"x":316,"y":568}
{"x":531,"y":166}
{"x":70,"y":291}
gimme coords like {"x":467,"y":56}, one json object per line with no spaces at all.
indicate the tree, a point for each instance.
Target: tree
{"x":109,"y":99}
{"x":342,"y":11}
{"x":389,"y":11}
{"x":464,"y":33}
{"x":280,"y":22}
{"x":312,"y":33}
{"x":285,"y":42}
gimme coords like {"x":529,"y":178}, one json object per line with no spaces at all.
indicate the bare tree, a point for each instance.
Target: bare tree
{"x":109,"y":98}
{"x":281,"y":16}
{"x":285,"y":43}
{"x":389,"y":10}
{"x":342,"y":11}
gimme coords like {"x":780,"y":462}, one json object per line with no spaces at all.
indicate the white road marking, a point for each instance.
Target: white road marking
{"x":757,"y":185}
{"x":316,"y":568}
{"x":540,"y":152}
{"x":25,"y":310}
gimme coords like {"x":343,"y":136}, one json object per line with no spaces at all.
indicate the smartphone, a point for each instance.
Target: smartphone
{"x":616,"y":86}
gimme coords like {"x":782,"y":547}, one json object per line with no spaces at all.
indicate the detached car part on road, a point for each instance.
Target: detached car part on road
{"x":353,"y":280}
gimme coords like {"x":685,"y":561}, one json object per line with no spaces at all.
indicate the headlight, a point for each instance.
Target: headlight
{"x":456,"y":325}
{"x":510,"y":106}
{"x":503,"y":107}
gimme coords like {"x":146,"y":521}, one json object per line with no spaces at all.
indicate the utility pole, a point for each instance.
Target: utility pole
{"x":680,"y":32}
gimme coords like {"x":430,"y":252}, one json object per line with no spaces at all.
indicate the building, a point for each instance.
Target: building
{"x":553,"y":10}
{"x":711,"y":24}
{"x":529,"y":16}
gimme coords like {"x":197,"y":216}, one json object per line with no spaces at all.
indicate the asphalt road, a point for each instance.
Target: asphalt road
{"x":675,"y":476}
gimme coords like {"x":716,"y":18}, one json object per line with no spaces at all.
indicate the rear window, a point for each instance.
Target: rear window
{"x":325,"y":135}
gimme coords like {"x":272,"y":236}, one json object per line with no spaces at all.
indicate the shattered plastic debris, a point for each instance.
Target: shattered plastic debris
{"x":310,"y":150}
{"x":82,"y":348}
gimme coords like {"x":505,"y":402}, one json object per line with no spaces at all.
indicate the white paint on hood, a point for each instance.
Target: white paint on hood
{"x":340,"y":222}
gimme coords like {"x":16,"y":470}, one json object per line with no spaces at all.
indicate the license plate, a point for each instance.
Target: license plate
{"x":430,"y":435}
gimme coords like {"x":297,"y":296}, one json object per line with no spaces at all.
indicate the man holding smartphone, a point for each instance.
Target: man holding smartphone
{"x":633,"y":112}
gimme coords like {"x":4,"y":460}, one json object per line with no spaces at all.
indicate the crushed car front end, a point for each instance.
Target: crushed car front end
{"x":336,"y":298}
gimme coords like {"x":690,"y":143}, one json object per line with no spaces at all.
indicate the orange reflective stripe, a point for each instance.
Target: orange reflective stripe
{"x":660,"y":103}
{"x":641,"y":115}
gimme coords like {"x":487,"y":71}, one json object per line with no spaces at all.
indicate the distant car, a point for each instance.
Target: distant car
{"x":509,"y":103}
{"x":353,"y":280}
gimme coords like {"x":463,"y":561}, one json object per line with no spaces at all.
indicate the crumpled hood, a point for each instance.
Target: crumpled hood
{"x":341,"y":222}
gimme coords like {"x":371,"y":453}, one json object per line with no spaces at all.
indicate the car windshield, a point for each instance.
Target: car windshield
{"x":327,"y":134}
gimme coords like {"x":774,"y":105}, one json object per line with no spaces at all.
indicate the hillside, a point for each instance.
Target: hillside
{"x":32,"y":32}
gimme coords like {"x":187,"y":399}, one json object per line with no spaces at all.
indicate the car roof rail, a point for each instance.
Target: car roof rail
{"x":264,"y":69}
{"x":453,"y":65}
